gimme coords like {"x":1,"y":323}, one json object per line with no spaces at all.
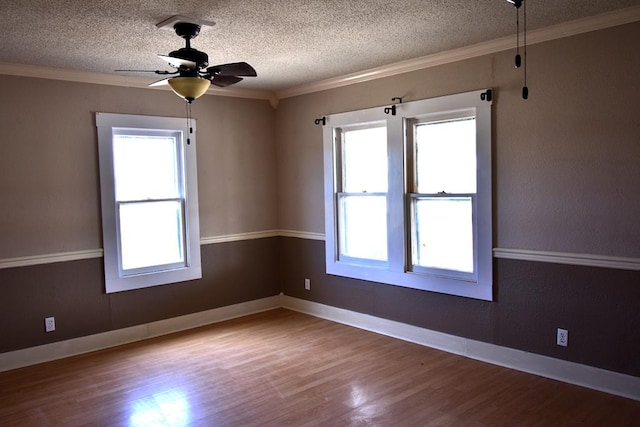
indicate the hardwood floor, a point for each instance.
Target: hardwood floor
{"x":286,"y":368}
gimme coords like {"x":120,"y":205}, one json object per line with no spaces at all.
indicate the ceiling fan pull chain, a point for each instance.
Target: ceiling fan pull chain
{"x":518,"y":58}
{"x":517,"y":4}
{"x":525,"y":89}
{"x":189,"y":123}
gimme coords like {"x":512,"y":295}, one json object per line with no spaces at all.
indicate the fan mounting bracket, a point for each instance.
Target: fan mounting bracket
{"x":187,"y":30}
{"x":169,"y":23}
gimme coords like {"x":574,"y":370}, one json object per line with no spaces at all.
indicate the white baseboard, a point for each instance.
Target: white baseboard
{"x":75,"y":346}
{"x":587,"y":376}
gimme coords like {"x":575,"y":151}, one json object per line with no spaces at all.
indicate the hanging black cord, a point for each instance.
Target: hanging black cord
{"x":189,"y":123}
{"x":518,"y":58}
{"x":525,"y":89}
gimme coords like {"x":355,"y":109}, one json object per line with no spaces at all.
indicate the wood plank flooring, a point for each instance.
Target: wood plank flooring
{"x":285,"y":368}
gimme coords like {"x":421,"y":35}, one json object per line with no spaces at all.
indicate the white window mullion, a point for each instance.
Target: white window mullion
{"x":396,"y":212}
{"x":484,"y":211}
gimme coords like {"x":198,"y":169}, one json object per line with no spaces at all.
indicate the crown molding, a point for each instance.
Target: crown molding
{"x":41,"y":72}
{"x":567,"y":29}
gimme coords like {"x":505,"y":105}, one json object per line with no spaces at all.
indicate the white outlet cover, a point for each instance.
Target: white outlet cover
{"x":563,"y":337}
{"x":49,"y":324}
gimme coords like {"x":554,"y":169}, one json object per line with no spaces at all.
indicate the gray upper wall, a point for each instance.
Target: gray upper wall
{"x":566,"y":168}
{"x":566,"y":161}
{"x":49,"y":178}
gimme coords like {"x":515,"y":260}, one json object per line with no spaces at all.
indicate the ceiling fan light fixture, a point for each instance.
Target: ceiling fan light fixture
{"x":189,"y":88}
{"x":194,"y":76}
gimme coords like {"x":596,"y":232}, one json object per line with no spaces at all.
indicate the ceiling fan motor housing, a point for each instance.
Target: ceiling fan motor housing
{"x":191,"y":54}
{"x":188,"y":31}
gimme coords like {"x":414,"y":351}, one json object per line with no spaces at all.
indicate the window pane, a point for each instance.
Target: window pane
{"x":446,"y":156}
{"x":443,"y":233}
{"x":363,"y":227}
{"x":151,"y":234}
{"x":364,"y":161}
{"x":145,"y":167}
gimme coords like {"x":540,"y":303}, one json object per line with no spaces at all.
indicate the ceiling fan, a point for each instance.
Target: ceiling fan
{"x":193,"y":75}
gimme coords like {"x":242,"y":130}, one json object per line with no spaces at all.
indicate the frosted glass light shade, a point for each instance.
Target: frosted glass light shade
{"x":189,"y":88}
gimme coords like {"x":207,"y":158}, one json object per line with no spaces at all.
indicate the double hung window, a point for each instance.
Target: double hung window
{"x":408,"y":196}
{"x":149,"y":201}
{"x":362,"y":199}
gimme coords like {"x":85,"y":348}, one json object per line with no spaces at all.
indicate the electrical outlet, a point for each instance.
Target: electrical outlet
{"x":307,"y":284}
{"x":49,"y":324}
{"x":563,"y":337}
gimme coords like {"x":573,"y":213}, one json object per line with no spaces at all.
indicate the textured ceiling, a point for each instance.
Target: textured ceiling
{"x":289,"y":42}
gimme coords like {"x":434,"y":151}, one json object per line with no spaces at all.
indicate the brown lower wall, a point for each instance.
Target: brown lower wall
{"x":73,"y":292}
{"x":598,"y":306}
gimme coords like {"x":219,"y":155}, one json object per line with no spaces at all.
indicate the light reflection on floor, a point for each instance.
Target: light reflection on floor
{"x":167,"y":408}
{"x":358,"y":396}
{"x":364,"y":412}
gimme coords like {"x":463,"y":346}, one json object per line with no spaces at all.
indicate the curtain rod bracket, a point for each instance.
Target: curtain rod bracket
{"x":392,"y":109}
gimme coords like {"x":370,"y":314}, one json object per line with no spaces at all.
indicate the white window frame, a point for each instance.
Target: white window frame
{"x":398,"y":269}
{"x":340,"y":190}
{"x":109,"y":125}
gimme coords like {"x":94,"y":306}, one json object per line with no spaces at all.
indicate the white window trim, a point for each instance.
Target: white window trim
{"x":397,"y":270}
{"x":114,"y":280}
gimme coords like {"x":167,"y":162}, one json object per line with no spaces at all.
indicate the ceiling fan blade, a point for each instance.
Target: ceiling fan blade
{"x":224,"y":81}
{"x":160,"y":82}
{"x":179,"y":62}
{"x":162,"y":72}
{"x":233,"y":69}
